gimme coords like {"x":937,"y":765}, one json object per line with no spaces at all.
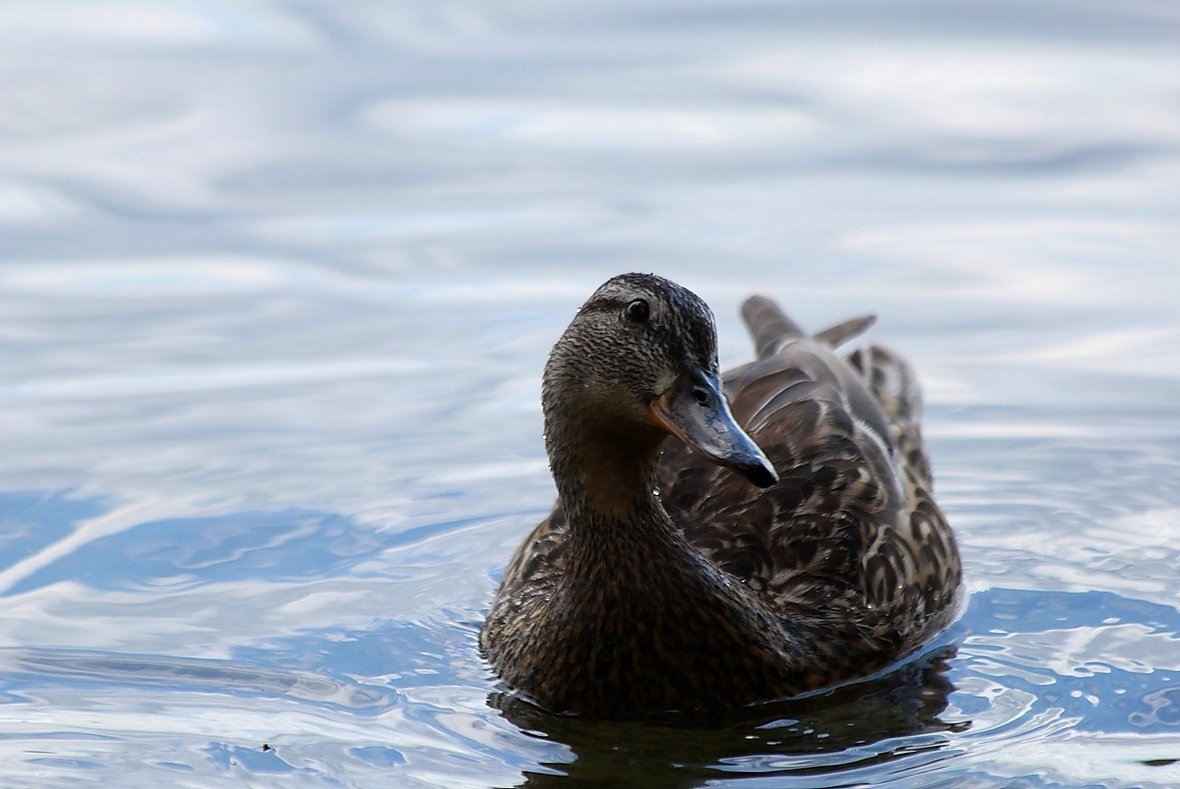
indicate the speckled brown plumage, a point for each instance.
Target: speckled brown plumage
{"x":716,"y":593}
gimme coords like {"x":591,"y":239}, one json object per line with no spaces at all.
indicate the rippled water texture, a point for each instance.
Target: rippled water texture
{"x":277,"y":280}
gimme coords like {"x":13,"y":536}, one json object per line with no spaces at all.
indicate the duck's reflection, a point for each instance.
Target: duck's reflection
{"x":833,"y":731}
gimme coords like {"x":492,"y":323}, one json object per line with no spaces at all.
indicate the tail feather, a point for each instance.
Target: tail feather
{"x":768,"y":324}
{"x":843,"y":332}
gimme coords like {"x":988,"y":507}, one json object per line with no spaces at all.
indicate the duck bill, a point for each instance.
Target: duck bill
{"x":695,"y":411}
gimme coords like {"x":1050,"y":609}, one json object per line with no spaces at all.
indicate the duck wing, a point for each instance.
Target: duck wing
{"x":852,"y":528}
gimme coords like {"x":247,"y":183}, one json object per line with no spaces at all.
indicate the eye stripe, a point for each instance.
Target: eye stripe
{"x":605,"y":304}
{"x":610,"y":304}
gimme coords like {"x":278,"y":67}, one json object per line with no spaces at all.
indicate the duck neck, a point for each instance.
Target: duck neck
{"x":606,"y":477}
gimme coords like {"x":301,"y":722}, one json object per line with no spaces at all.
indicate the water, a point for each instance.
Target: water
{"x":277,"y":280}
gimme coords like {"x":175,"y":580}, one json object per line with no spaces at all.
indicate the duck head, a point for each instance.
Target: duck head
{"x":639,"y":361}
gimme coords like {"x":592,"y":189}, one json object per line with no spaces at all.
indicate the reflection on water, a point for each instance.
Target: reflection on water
{"x":191,"y":676}
{"x":277,"y":280}
{"x":848,"y":734}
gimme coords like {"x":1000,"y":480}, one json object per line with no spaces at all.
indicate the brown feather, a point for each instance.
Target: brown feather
{"x":843,"y":566}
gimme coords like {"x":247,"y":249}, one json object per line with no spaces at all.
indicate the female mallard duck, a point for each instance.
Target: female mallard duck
{"x":662,"y":582}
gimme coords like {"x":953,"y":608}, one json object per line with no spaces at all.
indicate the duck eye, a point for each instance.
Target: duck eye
{"x":637,"y":311}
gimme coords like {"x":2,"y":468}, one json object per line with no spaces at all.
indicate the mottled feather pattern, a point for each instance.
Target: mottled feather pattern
{"x":840,"y":568}
{"x":852,"y":522}
{"x":852,"y":519}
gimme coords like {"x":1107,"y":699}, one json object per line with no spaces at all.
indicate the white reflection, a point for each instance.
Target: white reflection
{"x":22,"y":203}
{"x":1085,"y":651}
{"x":616,"y":127}
{"x":159,"y":23}
{"x":150,"y":278}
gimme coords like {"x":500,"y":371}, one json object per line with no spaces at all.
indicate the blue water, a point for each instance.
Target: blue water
{"x":277,"y":281}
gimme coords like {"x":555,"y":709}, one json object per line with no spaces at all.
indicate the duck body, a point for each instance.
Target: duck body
{"x":663,"y":580}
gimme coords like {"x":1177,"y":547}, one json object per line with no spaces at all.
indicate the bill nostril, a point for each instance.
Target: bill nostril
{"x":701,"y":395}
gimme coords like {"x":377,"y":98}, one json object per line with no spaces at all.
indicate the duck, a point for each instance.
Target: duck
{"x":719,"y":541}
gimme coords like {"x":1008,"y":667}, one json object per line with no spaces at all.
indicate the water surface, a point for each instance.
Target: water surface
{"x":277,"y":280}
